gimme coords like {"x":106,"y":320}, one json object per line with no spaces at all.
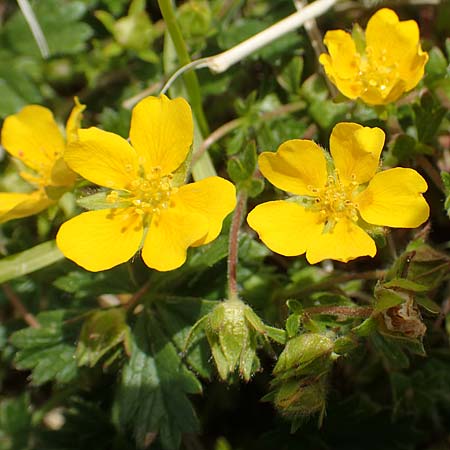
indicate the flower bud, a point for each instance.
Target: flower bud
{"x":232,"y":329}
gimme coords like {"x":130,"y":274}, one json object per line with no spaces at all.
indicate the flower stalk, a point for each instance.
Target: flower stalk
{"x":233,"y":245}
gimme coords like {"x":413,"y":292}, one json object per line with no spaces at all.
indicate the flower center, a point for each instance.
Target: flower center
{"x":335,"y":201}
{"x":148,"y":194}
{"x":376,"y":72}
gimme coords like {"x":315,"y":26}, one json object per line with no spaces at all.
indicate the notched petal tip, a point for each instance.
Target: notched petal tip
{"x":161,"y":132}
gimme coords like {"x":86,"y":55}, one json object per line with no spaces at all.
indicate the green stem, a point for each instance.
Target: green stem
{"x":190,"y":78}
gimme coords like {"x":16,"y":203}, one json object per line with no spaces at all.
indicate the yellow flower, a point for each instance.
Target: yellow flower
{"x":33,"y":137}
{"x":335,"y":200}
{"x":149,"y":208}
{"x":391,"y":63}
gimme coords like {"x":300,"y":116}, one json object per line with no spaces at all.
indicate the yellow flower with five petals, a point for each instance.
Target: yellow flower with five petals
{"x":391,"y":63}
{"x":149,"y":208}
{"x":335,"y":199}
{"x":33,"y":137}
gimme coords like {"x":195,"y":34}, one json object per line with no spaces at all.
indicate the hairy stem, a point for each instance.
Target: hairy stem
{"x":349,"y":311}
{"x":233,"y":246}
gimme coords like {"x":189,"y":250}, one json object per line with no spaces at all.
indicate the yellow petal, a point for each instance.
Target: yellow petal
{"x":393,"y":198}
{"x":99,"y":240}
{"x":296,"y":166}
{"x":62,"y":175}
{"x":17,"y":205}
{"x":356,"y":151}
{"x":395,"y":88}
{"x":103,"y":158}
{"x":212,"y":197}
{"x":413,"y":73}
{"x":74,"y":121}
{"x":347,"y":241}
{"x":285,"y":227}
{"x":343,"y":55}
{"x":392,"y":42}
{"x":162,"y":132}
{"x":169,"y":237}
{"x":33,"y":137}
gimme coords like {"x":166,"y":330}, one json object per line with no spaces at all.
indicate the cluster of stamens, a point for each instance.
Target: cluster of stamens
{"x":375,"y":71}
{"x":148,"y":194}
{"x":335,"y":201}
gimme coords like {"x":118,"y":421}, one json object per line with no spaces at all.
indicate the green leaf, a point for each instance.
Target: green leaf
{"x":15,"y":422}
{"x":60,"y":23}
{"x":29,"y":261}
{"x":291,"y":75}
{"x":386,"y":299}
{"x":428,"y":117}
{"x":81,"y":283}
{"x":48,"y":351}
{"x":428,"y":304}
{"x":101,"y":331}
{"x":152,"y":397}
{"x":407,"y":285}
{"x":391,"y":350}
{"x":446,"y":180}
{"x":327,"y":113}
{"x":292,"y":325}
{"x":437,"y":63}
{"x":17,"y":87}
{"x":177,"y":315}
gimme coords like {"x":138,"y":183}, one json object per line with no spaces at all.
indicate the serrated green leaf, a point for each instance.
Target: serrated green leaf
{"x":48,"y":351}
{"x":391,"y":350}
{"x":29,"y":261}
{"x":152,"y":396}
{"x":101,"y":331}
{"x":428,"y":117}
{"x":177,"y":316}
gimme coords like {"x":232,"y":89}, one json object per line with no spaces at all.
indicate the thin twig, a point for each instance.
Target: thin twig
{"x":333,"y":281}
{"x":226,"y":128}
{"x":233,"y":245}
{"x":19,"y":307}
{"x":134,"y":300}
